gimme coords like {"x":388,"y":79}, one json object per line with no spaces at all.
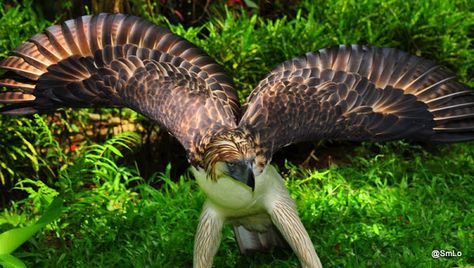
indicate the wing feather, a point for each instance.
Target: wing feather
{"x":119,"y":60}
{"x":358,"y":93}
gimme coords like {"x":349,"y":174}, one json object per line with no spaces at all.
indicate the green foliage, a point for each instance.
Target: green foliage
{"x":18,"y":23}
{"x":12,"y":239}
{"x":391,"y":206}
{"x":93,"y":167}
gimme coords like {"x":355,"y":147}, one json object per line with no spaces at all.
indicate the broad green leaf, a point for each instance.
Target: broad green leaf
{"x":10,"y":261}
{"x":12,"y":239}
{"x":53,"y":212}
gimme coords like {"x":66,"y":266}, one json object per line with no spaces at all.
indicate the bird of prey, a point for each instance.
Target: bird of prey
{"x":352,"y":93}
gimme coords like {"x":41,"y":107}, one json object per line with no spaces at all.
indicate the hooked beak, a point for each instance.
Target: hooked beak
{"x":250,"y":179}
{"x":242,"y":171}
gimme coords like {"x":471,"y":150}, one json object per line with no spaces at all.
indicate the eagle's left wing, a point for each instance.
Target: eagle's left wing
{"x":357,"y":93}
{"x":118,"y":60}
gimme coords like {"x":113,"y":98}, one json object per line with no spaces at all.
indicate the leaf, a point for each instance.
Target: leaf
{"x":53,"y":212}
{"x":10,"y":261}
{"x":12,"y":239}
{"x":251,"y":4}
{"x":376,"y":229}
{"x":115,"y":150}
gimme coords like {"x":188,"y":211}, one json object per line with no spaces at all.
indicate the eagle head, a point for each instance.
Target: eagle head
{"x":230,"y":153}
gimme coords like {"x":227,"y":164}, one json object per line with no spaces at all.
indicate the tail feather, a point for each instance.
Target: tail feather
{"x":251,"y":242}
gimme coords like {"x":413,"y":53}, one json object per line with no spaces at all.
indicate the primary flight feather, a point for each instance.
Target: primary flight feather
{"x":341,"y":93}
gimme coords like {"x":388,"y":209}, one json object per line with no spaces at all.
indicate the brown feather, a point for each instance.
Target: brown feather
{"x":357,"y":93}
{"x":119,"y":60}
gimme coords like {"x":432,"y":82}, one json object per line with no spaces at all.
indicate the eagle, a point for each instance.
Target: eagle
{"x":347,"y":93}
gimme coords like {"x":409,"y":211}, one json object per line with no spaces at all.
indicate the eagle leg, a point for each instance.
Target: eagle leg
{"x":208,"y":237}
{"x":285,"y":217}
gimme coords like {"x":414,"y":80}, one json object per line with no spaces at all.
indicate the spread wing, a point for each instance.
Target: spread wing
{"x":119,"y":60}
{"x":358,"y":93}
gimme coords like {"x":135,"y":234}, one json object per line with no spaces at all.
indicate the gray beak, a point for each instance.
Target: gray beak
{"x":250,"y":179}
{"x":242,"y":171}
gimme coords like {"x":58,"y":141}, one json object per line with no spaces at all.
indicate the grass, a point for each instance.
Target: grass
{"x":390,"y":206}
{"x":385,"y":208}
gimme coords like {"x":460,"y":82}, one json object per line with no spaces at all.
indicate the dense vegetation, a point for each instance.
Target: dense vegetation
{"x":130,"y":202}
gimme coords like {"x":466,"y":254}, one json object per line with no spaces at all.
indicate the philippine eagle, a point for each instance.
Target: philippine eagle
{"x":353,"y":93}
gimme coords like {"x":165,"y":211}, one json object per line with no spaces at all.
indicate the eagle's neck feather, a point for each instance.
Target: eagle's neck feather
{"x":234,"y":199}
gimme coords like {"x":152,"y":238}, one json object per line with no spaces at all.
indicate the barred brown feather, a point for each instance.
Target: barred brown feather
{"x":358,"y":93}
{"x":345,"y":93}
{"x":119,"y":60}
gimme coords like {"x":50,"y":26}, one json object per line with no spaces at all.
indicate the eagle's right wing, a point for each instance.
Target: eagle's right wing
{"x":119,"y":60}
{"x":357,"y":93}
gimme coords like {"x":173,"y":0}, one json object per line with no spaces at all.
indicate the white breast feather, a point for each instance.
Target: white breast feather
{"x":236,"y":199}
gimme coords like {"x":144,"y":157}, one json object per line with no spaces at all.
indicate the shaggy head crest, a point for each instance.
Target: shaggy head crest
{"x":228,"y":145}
